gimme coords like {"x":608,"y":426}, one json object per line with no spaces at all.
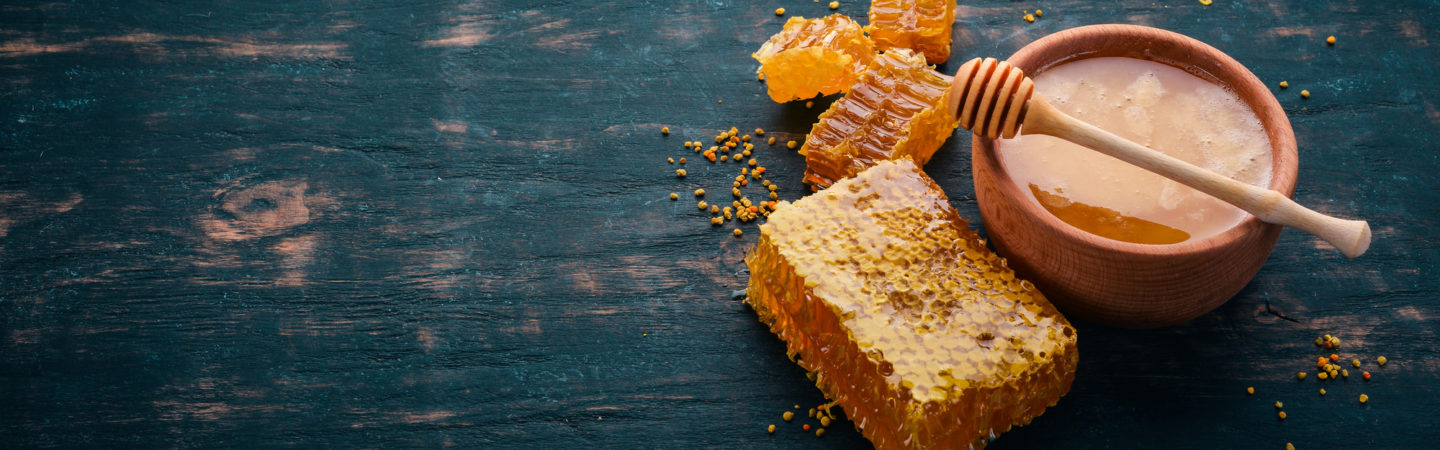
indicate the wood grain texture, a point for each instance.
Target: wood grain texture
{"x":445,"y":222}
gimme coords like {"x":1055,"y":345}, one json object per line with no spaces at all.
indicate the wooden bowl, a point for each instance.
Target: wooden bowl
{"x":1119,"y":283}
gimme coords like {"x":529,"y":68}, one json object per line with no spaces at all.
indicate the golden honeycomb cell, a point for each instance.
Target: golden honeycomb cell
{"x":895,"y":110}
{"x":920,"y":25}
{"x":812,"y":57}
{"x":924,"y":337}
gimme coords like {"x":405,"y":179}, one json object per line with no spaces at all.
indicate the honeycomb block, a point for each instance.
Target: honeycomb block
{"x":895,"y":110}
{"x":814,"y":57}
{"x":924,"y":337}
{"x":920,"y":25}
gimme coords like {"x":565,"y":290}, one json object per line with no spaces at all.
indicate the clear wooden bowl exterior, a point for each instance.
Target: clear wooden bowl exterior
{"x":1119,"y":283}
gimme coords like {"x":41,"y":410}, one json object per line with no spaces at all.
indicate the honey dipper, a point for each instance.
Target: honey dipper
{"x":994,"y":99}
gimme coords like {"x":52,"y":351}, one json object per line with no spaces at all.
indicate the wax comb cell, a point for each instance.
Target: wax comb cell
{"x":920,"y":25}
{"x":895,"y":110}
{"x":812,"y":57}
{"x":925,"y":337}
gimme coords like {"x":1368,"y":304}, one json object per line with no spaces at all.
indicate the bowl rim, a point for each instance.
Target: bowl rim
{"x":1284,"y":158}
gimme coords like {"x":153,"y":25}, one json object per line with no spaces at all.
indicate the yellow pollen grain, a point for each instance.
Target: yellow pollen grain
{"x":836,"y":5}
{"x":779,"y":11}
{"x":665,"y":131}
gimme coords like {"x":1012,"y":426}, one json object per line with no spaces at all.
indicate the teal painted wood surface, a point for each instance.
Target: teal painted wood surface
{"x":433,"y":223}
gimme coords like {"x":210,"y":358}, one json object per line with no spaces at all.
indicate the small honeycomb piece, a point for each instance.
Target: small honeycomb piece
{"x":925,"y":337}
{"x":814,"y":57}
{"x":920,"y":25}
{"x":895,"y":110}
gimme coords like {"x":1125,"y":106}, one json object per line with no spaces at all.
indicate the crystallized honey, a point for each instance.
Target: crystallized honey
{"x":920,"y":25}
{"x":814,"y":57}
{"x":895,"y":110}
{"x":1154,"y":105}
{"x":925,"y":337}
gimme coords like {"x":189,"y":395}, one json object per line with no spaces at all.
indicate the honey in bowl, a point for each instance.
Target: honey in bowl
{"x":1155,"y":105}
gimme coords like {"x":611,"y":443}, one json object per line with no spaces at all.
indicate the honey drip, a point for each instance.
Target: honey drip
{"x":1106,"y":222}
{"x":810,"y":57}
{"x":921,"y":25}
{"x":893,"y":111}
{"x":924,"y":336}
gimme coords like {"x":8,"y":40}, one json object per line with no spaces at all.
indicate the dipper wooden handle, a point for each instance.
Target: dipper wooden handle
{"x":993,"y":99}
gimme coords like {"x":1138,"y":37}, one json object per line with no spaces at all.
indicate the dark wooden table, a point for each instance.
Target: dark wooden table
{"x":435,"y":223}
